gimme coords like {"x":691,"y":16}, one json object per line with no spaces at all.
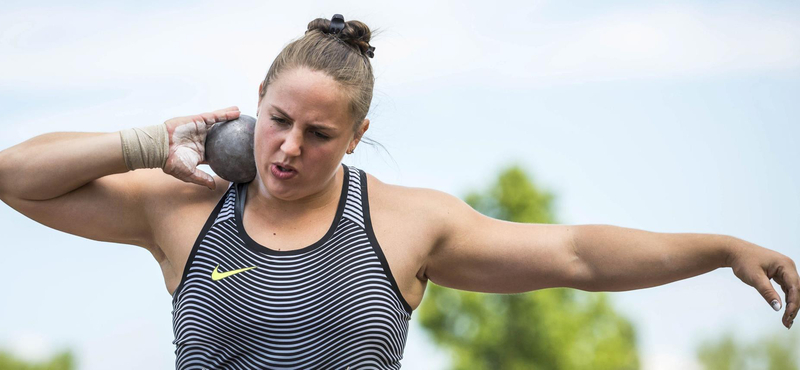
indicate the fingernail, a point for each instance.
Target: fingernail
{"x":775,"y":305}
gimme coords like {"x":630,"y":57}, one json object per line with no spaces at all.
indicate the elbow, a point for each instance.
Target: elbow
{"x":582,"y":277}
{"x":581,"y":274}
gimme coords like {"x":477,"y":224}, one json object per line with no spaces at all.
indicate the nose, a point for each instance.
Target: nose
{"x":291,"y":145}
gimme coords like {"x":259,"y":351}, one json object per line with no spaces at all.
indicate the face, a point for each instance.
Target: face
{"x":303,"y":122}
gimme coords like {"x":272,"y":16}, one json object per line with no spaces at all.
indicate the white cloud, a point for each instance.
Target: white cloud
{"x":67,"y":47}
{"x":30,"y":346}
{"x":669,"y":361}
{"x":523,"y":47}
{"x":664,"y":42}
{"x":670,"y":42}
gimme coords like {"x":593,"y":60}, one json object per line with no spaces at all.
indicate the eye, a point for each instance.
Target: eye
{"x":317,"y":133}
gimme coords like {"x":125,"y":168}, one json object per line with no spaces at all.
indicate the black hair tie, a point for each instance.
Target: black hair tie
{"x":337,"y":24}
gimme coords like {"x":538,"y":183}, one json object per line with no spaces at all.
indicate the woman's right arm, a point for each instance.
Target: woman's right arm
{"x":53,"y":164}
{"x":79,"y":183}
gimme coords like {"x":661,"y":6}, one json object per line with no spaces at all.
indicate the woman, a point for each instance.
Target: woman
{"x":315,"y":264}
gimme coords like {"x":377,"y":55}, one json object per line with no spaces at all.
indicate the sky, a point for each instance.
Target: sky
{"x":671,"y":117}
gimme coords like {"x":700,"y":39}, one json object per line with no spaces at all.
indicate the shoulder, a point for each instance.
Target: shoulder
{"x":434,"y":207}
{"x":397,"y":195}
{"x":171,"y":204}
{"x":432,"y":216}
{"x":182,"y":208}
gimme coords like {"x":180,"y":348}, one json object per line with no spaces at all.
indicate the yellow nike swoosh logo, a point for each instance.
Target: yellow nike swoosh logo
{"x":216,"y":275}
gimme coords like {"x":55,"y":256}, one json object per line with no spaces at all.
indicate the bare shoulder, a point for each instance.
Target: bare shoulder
{"x":174,"y":208}
{"x":408,"y":199}
{"x":167,"y":195}
{"x":429,"y":213}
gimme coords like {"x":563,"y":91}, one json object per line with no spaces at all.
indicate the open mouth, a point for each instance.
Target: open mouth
{"x":283,"y":172}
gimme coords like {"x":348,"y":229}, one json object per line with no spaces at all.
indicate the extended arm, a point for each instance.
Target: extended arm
{"x":479,"y":253}
{"x":618,"y":258}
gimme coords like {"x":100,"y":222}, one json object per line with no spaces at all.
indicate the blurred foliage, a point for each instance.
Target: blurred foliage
{"x":771,"y":352}
{"x":62,"y":361}
{"x":556,"y":328}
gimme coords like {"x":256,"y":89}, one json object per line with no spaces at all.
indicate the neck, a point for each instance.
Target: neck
{"x":276,"y":210}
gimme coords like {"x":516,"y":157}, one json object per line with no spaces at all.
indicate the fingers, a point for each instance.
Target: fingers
{"x":764,"y":287}
{"x":791,"y":306}
{"x":194,"y":176}
{"x":790,"y":283}
{"x":210,"y":118}
{"x":199,"y":177}
{"x":228,"y":113}
{"x":221,"y":115}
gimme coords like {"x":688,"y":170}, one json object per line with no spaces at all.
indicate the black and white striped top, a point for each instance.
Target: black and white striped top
{"x":331,"y":305}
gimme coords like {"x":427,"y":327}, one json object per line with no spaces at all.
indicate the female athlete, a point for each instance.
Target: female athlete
{"x":313,"y":263}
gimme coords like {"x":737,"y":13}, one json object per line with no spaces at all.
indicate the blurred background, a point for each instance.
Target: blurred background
{"x":676,"y":116}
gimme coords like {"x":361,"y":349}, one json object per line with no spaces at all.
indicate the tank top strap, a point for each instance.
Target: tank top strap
{"x":353,"y":209}
{"x":227,"y":210}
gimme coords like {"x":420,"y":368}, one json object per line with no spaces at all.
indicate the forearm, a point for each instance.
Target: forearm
{"x":617,"y":258}
{"x":53,"y":164}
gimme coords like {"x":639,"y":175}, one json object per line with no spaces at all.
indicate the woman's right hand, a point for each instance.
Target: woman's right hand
{"x":187,"y":142}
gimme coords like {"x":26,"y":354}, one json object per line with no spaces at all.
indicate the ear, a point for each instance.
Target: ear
{"x":364,"y":128}
{"x":258,"y":107}
{"x":359,"y":134}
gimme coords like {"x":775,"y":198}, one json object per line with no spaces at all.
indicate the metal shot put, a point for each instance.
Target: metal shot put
{"x":229,"y":149}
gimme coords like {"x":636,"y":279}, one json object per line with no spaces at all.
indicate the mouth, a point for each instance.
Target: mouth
{"x":281,"y":172}
{"x":284,"y":167}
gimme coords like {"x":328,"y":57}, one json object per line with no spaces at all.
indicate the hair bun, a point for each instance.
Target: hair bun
{"x":355,"y":34}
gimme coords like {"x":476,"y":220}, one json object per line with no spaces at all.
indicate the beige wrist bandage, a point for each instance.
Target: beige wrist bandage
{"x":145,"y":147}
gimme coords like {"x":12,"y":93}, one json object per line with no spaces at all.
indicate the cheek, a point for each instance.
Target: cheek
{"x":261,"y":139}
{"x":262,"y":127}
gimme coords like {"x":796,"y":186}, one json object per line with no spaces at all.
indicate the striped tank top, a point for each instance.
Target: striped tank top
{"x":331,"y":305}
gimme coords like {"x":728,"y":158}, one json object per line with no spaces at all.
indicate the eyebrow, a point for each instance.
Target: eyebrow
{"x":312,"y":125}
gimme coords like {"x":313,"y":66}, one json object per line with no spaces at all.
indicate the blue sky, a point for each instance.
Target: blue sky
{"x":663,"y":116}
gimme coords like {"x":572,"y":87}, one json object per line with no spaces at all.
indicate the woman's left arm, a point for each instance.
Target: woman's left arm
{"x":619,"y":258}
{"x":478,"y":253}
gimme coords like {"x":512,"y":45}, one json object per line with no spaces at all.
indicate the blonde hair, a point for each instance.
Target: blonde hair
{"x":343,"y":56}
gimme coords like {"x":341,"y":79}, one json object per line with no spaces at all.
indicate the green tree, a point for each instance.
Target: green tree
{"x":771,"y":352}
{"x":60,"y":361}
{"x":556,"y":328}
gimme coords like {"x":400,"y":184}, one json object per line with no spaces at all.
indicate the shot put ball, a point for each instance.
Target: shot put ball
{"x":229,"y":149}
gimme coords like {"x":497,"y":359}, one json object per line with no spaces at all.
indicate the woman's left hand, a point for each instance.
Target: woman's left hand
{"x":755,"y":265}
